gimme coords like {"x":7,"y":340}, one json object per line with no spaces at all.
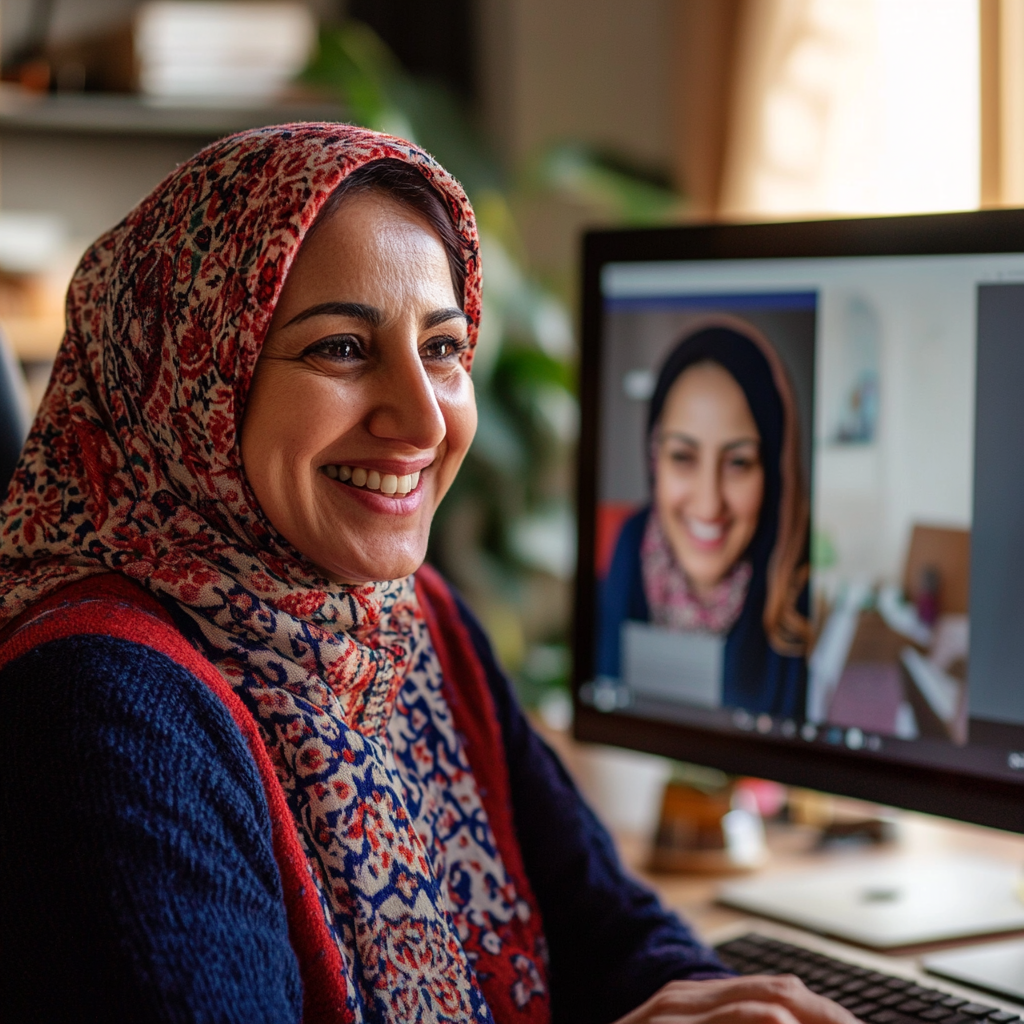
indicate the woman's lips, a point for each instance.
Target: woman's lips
{"x":705,"y":535}
{"x":356,"y":481}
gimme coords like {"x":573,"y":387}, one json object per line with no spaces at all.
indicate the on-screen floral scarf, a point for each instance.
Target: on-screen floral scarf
{"x":673,"y":601}
{"x":133,"y":467}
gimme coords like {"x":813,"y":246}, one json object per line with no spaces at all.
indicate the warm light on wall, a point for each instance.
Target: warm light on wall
{"x":855,"y":106}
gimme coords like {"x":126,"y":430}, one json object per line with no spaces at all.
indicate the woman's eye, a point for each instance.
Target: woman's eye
{"x":741,"y":464}
{"x":341,"y":347}
{"x":682,"y":457}
{"x":444,"y":348}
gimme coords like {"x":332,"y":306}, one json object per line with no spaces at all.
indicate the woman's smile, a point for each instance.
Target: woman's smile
{"x":389,"y":484}
{"x":708,"y":536}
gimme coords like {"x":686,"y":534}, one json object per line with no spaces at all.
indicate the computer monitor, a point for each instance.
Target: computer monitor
{"x":801,"y":505}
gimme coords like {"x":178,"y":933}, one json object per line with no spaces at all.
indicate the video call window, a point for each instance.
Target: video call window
{"x":785,"y":491}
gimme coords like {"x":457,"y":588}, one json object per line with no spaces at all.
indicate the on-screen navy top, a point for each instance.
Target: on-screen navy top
{"x":137,"y":874}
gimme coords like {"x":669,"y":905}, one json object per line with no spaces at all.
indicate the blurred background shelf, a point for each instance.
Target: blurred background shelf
{"x":133,"y":116}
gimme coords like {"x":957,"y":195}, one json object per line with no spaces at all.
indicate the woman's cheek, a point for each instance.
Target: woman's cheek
{"x":673,"y":490}
{"x":458,"y":407}
{"x":746,"y":498}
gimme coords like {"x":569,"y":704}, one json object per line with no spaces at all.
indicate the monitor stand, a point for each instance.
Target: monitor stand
{"x":890,"y":901}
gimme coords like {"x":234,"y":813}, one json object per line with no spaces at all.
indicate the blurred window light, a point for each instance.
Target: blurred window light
{"x":855,"y":106}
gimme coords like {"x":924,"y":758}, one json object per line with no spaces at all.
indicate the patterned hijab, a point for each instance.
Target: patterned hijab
{"x":133,"y":466}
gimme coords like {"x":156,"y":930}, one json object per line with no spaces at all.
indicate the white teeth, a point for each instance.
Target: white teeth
{"x":387,"y":483}
{"x":705,"y":531}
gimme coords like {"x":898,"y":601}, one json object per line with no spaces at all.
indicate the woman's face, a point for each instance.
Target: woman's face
{"x":709,"y":480}
{"x":360,"y":411}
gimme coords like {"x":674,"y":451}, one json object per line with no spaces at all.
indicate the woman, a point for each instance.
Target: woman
{"x":246,"y":779}
{"x":723,"y":547}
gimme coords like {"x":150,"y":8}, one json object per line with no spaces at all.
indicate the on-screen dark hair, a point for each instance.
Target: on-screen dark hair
{"x":403,"y":183}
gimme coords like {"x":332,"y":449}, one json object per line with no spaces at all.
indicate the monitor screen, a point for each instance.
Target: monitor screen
{"x":802,"y":504}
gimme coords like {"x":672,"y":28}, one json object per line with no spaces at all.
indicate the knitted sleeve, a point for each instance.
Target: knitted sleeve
{"x":612,"y":945}
{"x":137,"y":875}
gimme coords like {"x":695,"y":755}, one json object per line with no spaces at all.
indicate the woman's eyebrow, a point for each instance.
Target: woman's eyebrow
{"x":441,"y":316}
{"x":678,"y":435}
{"x":355,"y":310}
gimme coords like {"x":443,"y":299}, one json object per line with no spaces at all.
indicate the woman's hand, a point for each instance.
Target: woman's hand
{"x":758,"y":999}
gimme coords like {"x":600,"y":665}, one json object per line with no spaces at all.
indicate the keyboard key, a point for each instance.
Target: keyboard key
{"x":892,"y":999}
{"x":899,"y":983}
{"x":937,"y":1013}
{"x":891,"y":1017}
{"x":876,"y":992}
{"x":913,"y":1006}
{"x":861,"y":1010}
{"x":1002,"y":1017}
{"x":931,"y":996}
{"x":953,"y":1002}
{"x":977,"y":1010}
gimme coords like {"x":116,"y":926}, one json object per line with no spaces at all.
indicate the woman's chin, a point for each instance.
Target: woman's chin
{"x":374,"y":567}
{"x":703,"y":572}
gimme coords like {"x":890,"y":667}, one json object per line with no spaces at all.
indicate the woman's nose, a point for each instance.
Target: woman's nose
{"x":406,"y":408}
{"x":706,"y":497}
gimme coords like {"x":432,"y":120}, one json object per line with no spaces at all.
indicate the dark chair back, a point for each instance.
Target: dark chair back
{"x":15,"y":417}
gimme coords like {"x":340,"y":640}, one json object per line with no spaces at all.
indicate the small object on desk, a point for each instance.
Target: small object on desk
{"x":864,"y":832}
{"x":716,"y":832}
{"x":869,"y":995}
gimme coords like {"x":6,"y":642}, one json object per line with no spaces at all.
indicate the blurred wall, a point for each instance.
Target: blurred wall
{"x":594,"y":71}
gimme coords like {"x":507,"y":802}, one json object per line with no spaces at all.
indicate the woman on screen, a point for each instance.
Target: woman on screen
{"x":722,"y":548}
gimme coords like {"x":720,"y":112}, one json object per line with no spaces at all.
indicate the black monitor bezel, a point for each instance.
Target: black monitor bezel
{"x":947,"y":793}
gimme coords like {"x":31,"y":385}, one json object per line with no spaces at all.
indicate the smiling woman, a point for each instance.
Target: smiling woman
{"x":261,"y":764}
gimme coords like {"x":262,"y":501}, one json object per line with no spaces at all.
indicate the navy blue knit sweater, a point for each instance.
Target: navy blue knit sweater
{"x":137,"y":876}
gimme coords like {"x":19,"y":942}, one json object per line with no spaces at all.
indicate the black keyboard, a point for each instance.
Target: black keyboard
{"x":869,"y":995}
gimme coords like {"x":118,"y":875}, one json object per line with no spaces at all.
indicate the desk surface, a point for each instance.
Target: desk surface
{"x":693,"y":896}
{"x":793,"y":847}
